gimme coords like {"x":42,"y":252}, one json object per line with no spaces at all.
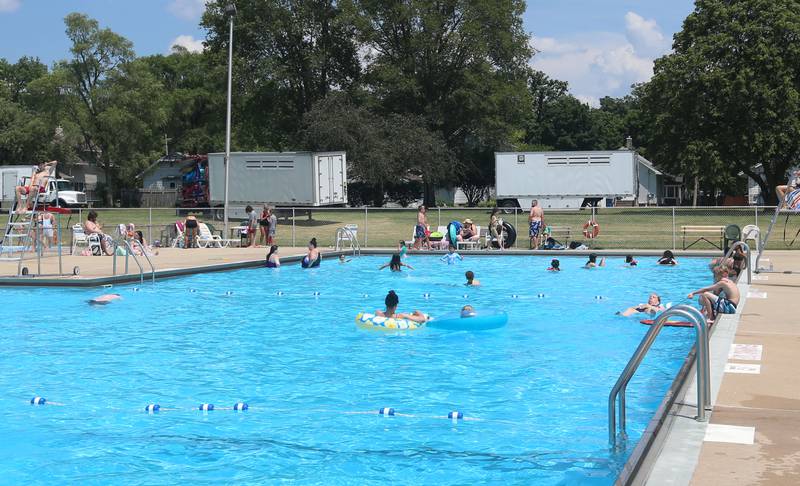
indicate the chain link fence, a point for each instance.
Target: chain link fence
{"x":650,"y":228}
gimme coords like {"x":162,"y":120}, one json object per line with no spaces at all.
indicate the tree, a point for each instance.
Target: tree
{"x":728,"y":97}
{"x":458,"y":65}
{"x":114,"y":102}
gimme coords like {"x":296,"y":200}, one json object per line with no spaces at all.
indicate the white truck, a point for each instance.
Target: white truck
{"x":289,"y":179}
{"x":60,"y":192}
{"x":575,"y":179}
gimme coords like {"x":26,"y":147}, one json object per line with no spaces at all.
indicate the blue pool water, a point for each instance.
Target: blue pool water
{"x":539,"y":385}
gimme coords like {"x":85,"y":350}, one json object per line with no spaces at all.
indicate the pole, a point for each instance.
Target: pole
{"x":150,"y":225}
{"x":293,"y":240}
{"x":366,"y":227}
{"x":230,"y":10}
{"x":673,"y":227}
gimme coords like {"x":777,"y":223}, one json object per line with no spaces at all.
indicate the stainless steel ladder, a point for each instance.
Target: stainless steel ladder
{"x":19,"y":235}
{"x":701,"y":363}
{"x":346,"y":234}
{"x":123,"y":242}
{"x":779,"y":209}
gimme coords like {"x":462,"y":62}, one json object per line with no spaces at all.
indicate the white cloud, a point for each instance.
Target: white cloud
{"x":186,"y":9}
{"x":645,"y":35}
{"x":601,"y":64}
{"x":190,"y":43}
{"x":9,"y":5}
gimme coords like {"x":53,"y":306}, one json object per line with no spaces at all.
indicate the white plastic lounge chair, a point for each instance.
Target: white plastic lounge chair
{"x":207,"y":240}
{"x":752,"y":232}
{"x":471,"y":244}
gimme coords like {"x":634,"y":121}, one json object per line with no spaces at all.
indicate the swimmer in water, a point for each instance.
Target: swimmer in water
{"x":652,"y":306}
{"x":555,"y":266}
{"x":451,"y":256}
{"x":342,"y":259}
{"x":592,"y":263}
{"x":104,"y":299}
{"x":395,"y":264}
{"x":629,"y":261}
{"x":391,"y":301}
{"x":471,"y":280}
{"x":468,"y":311}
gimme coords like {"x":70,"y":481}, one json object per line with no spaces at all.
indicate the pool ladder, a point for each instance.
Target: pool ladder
{"x":690,"y":314}
{"x":348,"y":234}
{"x":123,"y":242}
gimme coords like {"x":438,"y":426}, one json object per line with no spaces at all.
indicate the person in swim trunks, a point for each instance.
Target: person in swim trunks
{"x":421,"y":230}
{"x":536,"y":220}
{"x":720,"y":298}
{"x":36,"y":185}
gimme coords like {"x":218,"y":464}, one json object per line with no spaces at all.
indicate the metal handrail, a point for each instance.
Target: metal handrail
{"x":749,"y":258}
{"x":129,"y":252}
{"x":702,"y":364}
{"x":353,"y":240}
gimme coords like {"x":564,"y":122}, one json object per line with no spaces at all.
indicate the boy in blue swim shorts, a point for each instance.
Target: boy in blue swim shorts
{"x":536,"y":220}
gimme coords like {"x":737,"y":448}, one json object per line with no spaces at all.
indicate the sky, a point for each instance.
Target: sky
{"x":601,"y":47}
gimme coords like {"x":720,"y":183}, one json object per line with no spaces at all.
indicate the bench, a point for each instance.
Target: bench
{"x":703,"y":233}
{"x":562,"y":234}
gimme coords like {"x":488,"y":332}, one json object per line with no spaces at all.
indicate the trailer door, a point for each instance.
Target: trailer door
{"x":324,"y":179}
{"x":337,"y":179}
{"x":9,"y":185}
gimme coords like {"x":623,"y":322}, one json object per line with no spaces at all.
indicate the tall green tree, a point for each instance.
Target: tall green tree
{"x":113,"y":101}
{"x":458,"y":64}
{"x":728,"y":97}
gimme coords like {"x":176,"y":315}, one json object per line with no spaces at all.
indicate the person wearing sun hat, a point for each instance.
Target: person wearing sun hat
{"x":468,"y":231}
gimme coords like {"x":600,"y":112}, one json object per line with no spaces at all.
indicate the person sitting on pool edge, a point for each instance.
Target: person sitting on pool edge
{"x":471,"y":280}
{"x":452,"y":255}
{"x":555,"y":265}
{"x":720,"y":298}
{"x":313,"y":257}
{"x":652,"y":306}
{"x":592,"y":263}
{"x":273,"y":260}
{"x":391,"y":301}
{"x":667,"y":258}
{"x":395,"y":264}
{"x":629,"y":261}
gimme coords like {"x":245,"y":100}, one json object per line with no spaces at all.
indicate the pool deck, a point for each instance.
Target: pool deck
{"x":762,"y":405}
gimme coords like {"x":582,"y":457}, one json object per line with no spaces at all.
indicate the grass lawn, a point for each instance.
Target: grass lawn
{"x":640,"y":228}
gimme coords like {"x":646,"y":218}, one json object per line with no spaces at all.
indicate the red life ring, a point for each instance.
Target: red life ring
{"x":591,"y":229}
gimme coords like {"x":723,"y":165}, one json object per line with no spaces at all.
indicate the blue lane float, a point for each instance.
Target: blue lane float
{"x":386,"y":412}
{"x":206,"y":407}
{"x":240,"y":407}
{"x":455,"y":415}
{"x":152,"y":408}
{"x":38,"y":401}
{"x":474,"y":321}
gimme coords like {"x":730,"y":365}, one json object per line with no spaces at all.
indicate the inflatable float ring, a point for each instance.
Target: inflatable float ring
{"x":366,"y":320}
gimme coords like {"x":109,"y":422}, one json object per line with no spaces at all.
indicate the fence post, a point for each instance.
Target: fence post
{"x":150,"y":225}
{"x":673,"y":228}
{"x":516,"y":225}
{"x":293,"y":241}
{"x":439,"y":216}
{"x":366,"y":227}
{"x":756,"y":211}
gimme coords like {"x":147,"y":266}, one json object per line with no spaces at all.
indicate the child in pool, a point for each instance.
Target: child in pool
{"x":391,"y":301}
{"x":667,"y":259}
{"x":451,"y":256}
{"x":592,"y":263}
{"x":471,"y":280}
{"x":555,"y":265}
{"x":629,"y":261}
{"x":402,"y":249}
{"x":395,"y":264}
{"x":273,"y":260}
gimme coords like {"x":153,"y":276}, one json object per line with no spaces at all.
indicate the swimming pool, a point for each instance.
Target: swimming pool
{"x":538,"y":386}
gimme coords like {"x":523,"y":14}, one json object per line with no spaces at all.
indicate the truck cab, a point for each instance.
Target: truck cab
{"x":62,"y":193}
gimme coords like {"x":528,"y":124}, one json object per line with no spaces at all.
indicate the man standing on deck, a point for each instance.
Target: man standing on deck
{"x":536,"y":220}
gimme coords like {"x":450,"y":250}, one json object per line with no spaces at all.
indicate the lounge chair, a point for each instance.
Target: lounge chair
{"x":205,"y":239}
{"x":178,"y":242}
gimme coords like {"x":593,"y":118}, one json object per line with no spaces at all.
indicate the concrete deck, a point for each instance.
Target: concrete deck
{"x":769,"y":401}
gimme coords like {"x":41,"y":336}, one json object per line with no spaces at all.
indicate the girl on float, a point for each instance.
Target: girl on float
{"x":313,"y":257}
{"x":667,"y":258}
{"x":391,"y":301}
{"x":652,"y":306}
{"x":273,"y":260}
{"x":395,"y":264}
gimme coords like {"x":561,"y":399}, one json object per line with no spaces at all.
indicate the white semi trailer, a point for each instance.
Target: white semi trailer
{"x":288,"y":179}
{"x":575,"y":179}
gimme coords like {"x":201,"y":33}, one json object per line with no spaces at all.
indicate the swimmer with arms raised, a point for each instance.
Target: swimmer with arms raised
{"x":391,"y":302}
{"x":395,"y":264}
{"x":104,"y":299}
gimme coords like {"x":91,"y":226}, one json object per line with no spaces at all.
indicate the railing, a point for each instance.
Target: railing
{"x":748,"y":261}
{"x":702,"y":364}
{"x":123,"y":242}
{"x":350,"y":236}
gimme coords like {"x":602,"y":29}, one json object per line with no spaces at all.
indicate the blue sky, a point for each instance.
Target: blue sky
{"x":600,"y":47}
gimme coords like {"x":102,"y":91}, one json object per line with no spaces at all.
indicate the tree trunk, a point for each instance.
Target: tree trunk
{"x":696,"y":190}
{"x":429,"y":198}
{"x":110,"y":186}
